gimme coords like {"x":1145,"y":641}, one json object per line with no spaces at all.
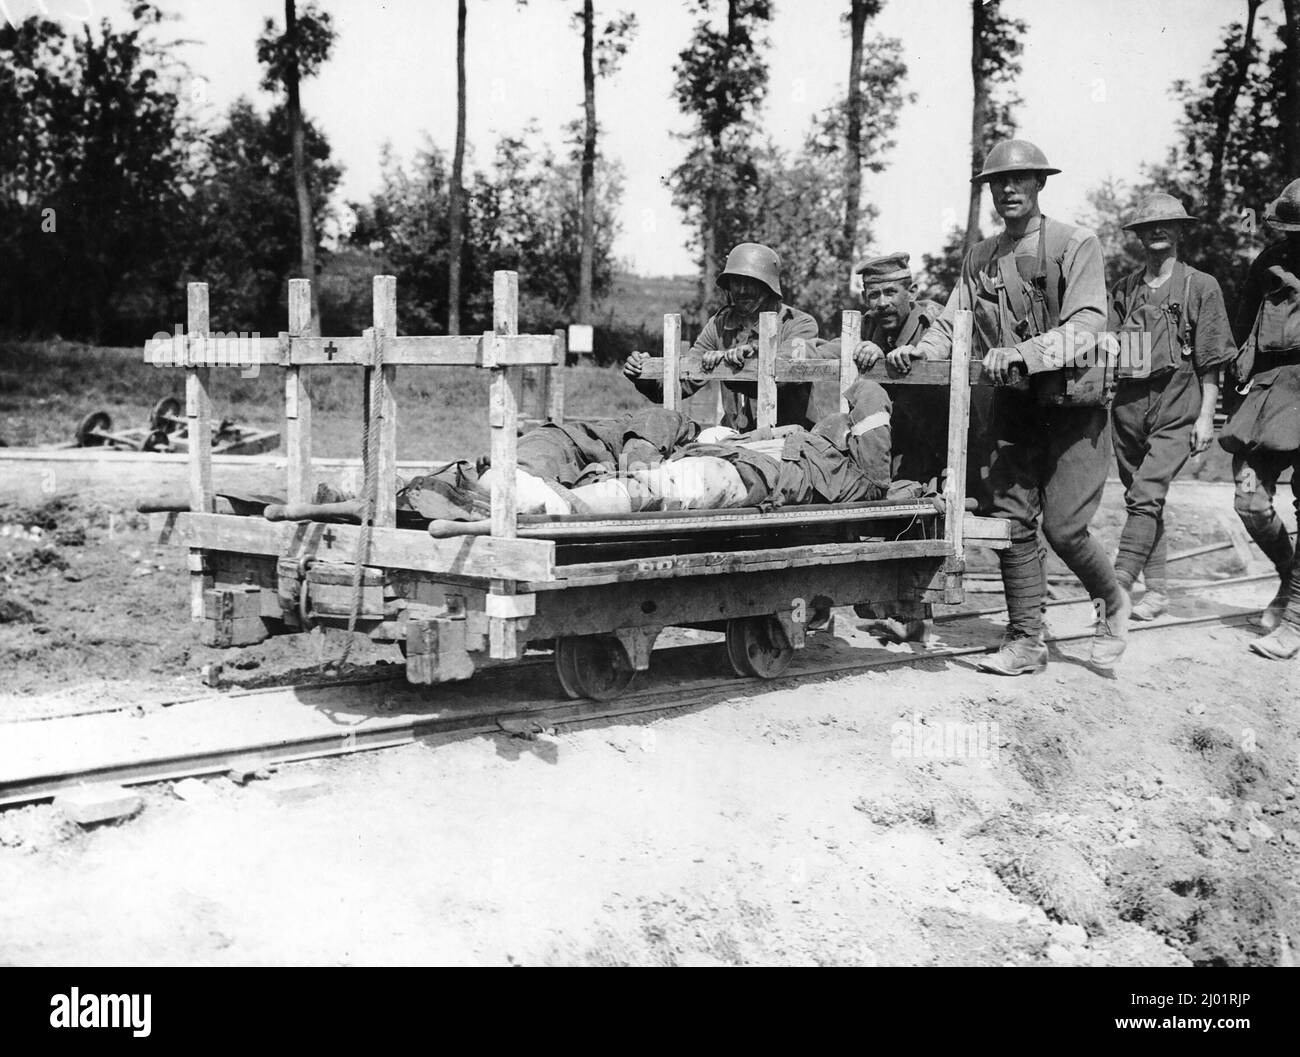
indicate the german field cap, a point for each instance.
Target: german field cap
{"x":892,"y":266}
{"x":1014,"y":155}
{"x":1158,"y":209}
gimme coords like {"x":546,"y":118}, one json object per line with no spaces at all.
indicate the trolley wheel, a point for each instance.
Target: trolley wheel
{"x":758,"y":646}
{"x":158,"y":440}
{"x":592,"y":666}
{"x":91,"y":425}
{"x":164,"y":415}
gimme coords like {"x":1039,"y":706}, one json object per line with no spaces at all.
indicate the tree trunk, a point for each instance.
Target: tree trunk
{"x":588,"y":166}
{"x":456,"y":217}
{"x":853,"y":134}
{"x":717,"y":159}
{"x":979,"y":122}
{"x":306,"y":232}
{"x":1291,"y":88}
{"x":1223,"y":116}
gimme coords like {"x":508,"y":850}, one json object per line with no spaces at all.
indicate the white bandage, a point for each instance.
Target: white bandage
{"x":872,"y":421}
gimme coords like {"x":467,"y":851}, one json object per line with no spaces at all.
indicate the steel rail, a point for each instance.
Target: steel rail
{"x":539,"y":714}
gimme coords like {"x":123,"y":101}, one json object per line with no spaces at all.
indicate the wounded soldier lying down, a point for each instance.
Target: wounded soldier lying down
{"x":651,"y":464}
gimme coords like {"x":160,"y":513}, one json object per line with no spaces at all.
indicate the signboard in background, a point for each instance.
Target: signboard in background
{"x":581,"y":339}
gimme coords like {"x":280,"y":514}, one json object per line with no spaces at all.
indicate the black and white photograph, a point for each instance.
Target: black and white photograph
{"x":611,"y":483}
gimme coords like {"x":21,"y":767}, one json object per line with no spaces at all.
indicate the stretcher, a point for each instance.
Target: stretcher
{"x":459,"y":597}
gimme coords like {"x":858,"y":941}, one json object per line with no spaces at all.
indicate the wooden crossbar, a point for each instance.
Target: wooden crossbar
{"x":793,"y":369}
{"x":300,"y":350}
{"x":503,"y":350}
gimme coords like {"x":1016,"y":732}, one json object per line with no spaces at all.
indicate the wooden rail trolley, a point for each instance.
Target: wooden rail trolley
{"x":597,"y":591}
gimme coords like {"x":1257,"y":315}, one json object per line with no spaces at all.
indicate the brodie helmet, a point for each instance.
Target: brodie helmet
{"x":1158,"y":208}
{"x":1014,"y":155}
{"x":1283,"y":213}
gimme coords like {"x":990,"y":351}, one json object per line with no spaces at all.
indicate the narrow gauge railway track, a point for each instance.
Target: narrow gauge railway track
{"x":523,"y":717}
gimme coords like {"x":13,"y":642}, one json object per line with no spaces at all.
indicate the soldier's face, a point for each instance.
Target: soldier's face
{"x":887,"y":301}
{"x":1015,"y":194}
{"x":746,"y":294}
{"x":1158,"y":237}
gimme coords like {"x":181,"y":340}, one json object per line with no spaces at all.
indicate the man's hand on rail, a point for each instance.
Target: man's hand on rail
{"x":867,"y":355}
{"x":901,"y":358}
{"x":1000,"y":363}
{"x":635,"y":364}
{"x":738,"y":354}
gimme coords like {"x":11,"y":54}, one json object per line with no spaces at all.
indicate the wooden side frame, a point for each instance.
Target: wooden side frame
{"x":770,"y":367}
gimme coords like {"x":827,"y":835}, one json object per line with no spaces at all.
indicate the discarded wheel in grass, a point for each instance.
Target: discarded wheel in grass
{"x":158,"y":440}
{"x":91,"y":426}
{"x":592,"y":666}
{"x":758,"y":646}
{"x":165,"y":416}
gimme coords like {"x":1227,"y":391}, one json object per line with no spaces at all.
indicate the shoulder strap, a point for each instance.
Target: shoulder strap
{"x":1185,"y":306}
{"x":1130,"y":285}
{"x":1053,"y":240}
{"x":1013,"y":285}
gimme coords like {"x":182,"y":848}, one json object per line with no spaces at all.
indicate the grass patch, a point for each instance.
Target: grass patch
{"x":46,"y":389}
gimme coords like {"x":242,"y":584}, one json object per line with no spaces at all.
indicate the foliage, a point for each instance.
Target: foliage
{"x":93,"y":150}
{"x":315,"y":41}
{"x":1252,"y":170}
{"x":941,"y":271}
{"x":721,"y":82}
{"x":244,"y":239}
{"x":998,"y":67}
{"x":522,"y":214}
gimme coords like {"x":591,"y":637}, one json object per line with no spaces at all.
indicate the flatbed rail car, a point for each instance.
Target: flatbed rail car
{"x":459,"y":597}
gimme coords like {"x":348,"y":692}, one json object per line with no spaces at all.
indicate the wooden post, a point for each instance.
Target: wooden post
{"x":503,"y":420}
{"x":850,"y":332}
{"x":672,"y":361}
{"x":768,"y":328}
{"x":198,"y":413}
{"x":553,"y":408}
{"x":383,"y":421}
{"x":297,"y":400}
{"x":954,"y":489}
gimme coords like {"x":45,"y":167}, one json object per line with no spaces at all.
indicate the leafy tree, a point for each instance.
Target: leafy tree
{"x":860,"y":11}
{"x":94,"y":156}
{"x":856,"y":135}
{"x":1229,"y":161}
{"x":941,"y":271}
{"x":994,"y":66}
{"x":721,"y":81}
{"x":245,"y":236}
{"x":1112,"y":204}
{"x":289,"y":56}
{"x":524,"y":213}
{"x":798,"y":208}
{"x":600,"y":57}
{"x":1290,"y":113}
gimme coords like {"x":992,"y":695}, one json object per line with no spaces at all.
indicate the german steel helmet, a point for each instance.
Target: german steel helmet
{"x":755,"y":261}
{"x":1283,"y":213}
{"x":1158,"y":208}
{"x":1014,"y":155}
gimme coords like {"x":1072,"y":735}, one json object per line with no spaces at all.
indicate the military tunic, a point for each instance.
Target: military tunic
{"x":1263,"y":434}
{"x":1043,"y":294}
{"x":1169,"y":338}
